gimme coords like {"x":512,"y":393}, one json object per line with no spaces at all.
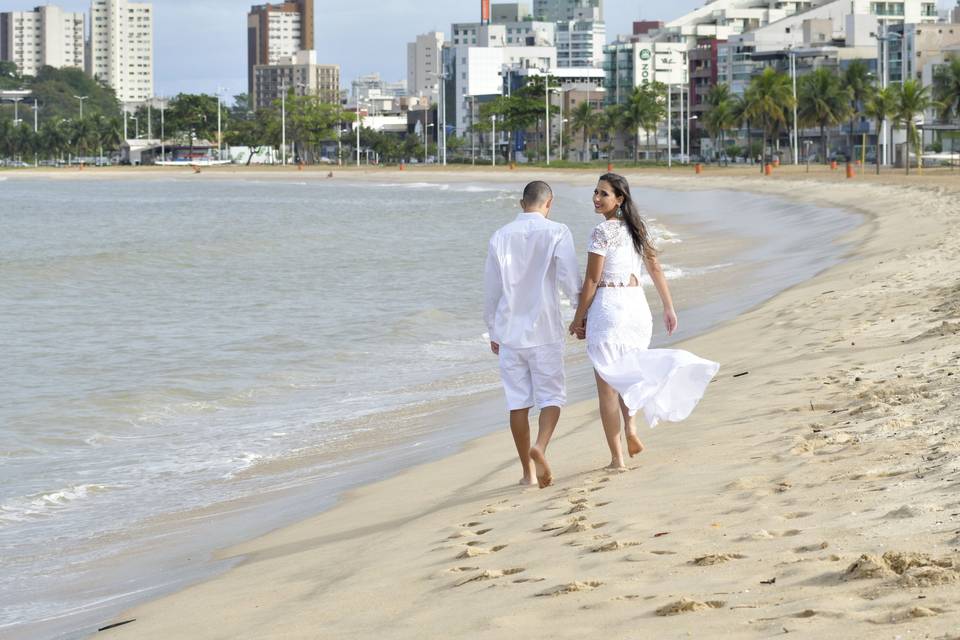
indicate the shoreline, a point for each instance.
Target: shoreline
{"x":260,"y":550}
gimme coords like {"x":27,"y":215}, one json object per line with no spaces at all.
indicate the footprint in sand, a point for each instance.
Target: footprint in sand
{"x":687,"y":605}
{"x":797,"y":515}
{"x":570,"y":587}
{"x":472,"y":551}
{"x":613,"y":545}
{"x":461,"y":534}
{"x":489,"y":574}
{"x":462,"y":569}
{"x":716,"y":558}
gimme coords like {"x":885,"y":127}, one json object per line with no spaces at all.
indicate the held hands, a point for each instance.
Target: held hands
{"x":670,"y":320}
{"x":578,"y":328}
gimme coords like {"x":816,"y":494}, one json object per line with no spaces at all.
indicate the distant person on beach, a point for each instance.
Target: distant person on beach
{"x":613,"y":316}
{"x":530,"y":260}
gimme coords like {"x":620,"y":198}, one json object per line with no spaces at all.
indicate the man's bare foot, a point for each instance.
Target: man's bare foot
{"x":544,"y":475}
{"x":634,"y":446}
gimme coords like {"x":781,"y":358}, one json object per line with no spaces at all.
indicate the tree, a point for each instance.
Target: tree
{"x":858,"y":83}
{"x":881,"y":105}
{"x":823,"y":102}
{"x":192,"y":116}
{"x":310,"y":122}
{"x":644,"y":110}
{"x":946,"y":89}
{"x":912,"y":100}
{"x":721,"y":114}
{"x":584,"y":120}
{"x":768,"y":99}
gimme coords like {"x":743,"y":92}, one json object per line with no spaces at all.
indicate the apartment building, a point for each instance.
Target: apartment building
{"x":424,"y":60}
{"x":276,"y":31}
{"x":121,"y":47}
{"x":46,"y":36}
{"x":299,"y":73}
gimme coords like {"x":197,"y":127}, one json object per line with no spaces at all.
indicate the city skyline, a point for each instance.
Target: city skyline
{"x":202,"y":47}
{"x":362,"y":42}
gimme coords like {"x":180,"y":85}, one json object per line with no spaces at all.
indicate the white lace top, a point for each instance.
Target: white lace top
{"x":611,"y":239}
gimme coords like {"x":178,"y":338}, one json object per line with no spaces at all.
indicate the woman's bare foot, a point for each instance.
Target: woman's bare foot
{"x":526,"y":481}
{"x":544,"y":475}
{"x":634,"y":446}
{"x":616,"y":465}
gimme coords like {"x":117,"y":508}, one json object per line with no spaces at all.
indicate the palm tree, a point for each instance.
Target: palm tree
{"x":946,"y":89}
{"x":741,"y":118}
{"x":609,"y":121}
{"x":881,"y":105}
{"x":912,"y":100}
{"x":858,"y":83}
{"x":823,"y":101}
{"x":769,"y":97}
{"x":721,"y":113}
{"x":633,"y":116}
{"x":584,"y":120}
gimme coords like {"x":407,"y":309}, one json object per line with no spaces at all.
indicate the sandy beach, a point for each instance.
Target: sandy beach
{"x":810,"y":493}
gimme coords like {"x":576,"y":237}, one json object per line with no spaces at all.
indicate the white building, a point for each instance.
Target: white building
{"x":46,"y":36}
{"x":424,"y":61}
{"x":121,"y":47}
{"x":839,"y":29}
{"x":565,"y":10}
{"x":478,"y":72}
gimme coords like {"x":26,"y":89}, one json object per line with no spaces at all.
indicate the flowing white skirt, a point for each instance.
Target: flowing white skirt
{"x":666,"y":384}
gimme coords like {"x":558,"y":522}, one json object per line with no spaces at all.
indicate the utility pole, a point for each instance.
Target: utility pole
{"x":493,"y":141}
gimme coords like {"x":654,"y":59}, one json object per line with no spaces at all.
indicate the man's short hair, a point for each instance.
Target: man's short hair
{"x":536,"y":193}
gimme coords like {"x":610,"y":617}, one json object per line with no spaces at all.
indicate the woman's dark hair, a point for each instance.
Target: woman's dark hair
{"x":638,"y":229}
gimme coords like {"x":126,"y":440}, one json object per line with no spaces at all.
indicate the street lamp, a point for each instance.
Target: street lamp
{"x":16,"y":110}
{"x":136,"y":125}
{"x":359,"y":124}
{"x":81,"y":99}
{"x":283,"y":120}
{"x":493,"y":141}
{"x":693,"y":117}
{"x":559,"y":91}
{"x":793,"y":76}
{"x":442,"y":138}
{"x":884,"y":40}
{"x":425,"y":147}
{"x":546,"y":101}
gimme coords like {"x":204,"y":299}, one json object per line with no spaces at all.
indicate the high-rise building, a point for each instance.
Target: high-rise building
{"x":955,"y":13}
{"x":565,"y":10}
{"x":301,"y":73}
{"x":581,"y":33}
{"x":276,"y":31}
{"x":121,"y":47}
{"x":424,"y":58}
{"x":46,"y":36}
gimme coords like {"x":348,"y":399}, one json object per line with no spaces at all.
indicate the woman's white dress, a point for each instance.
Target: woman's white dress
{"x":666,"y":384}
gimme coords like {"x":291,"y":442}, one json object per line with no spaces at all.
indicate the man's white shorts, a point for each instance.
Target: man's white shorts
{"x":533,"y":376}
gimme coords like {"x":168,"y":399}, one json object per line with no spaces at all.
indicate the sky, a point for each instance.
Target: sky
{"x":200,"y":45}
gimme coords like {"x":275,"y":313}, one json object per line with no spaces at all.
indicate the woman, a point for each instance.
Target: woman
{"x":613,"y":315}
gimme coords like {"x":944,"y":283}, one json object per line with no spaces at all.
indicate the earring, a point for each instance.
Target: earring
{"x":619,"y":212}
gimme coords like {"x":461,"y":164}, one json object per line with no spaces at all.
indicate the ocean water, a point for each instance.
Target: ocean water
{"x":176,"y":350}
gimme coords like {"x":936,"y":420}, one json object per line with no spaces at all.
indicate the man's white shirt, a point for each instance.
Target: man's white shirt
{"x":528,"y":260}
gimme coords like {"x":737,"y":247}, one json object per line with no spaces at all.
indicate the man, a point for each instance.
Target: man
{"x":529,"y":260}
